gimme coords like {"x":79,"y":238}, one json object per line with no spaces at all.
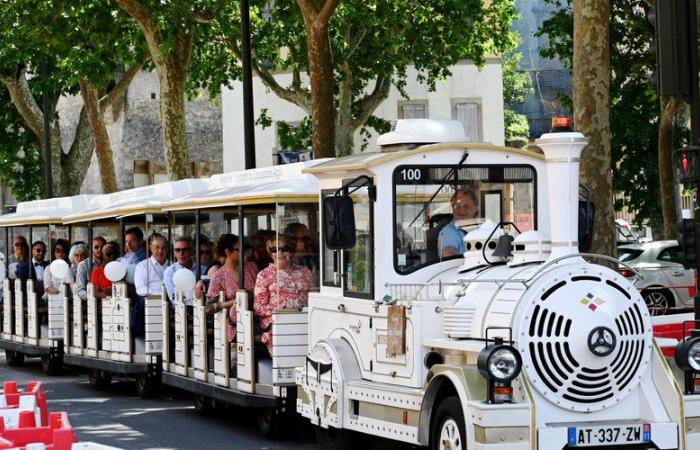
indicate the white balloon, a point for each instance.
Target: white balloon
{"x":115,"y":271}
{"x":3,"y":272}
{"x":184,"y":280}
{"x":12,"y":271}
{"x":59,"y":269}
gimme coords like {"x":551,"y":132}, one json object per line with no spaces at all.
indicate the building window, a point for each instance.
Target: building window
{"x":413,"y":109}
{"x":468,"y":112}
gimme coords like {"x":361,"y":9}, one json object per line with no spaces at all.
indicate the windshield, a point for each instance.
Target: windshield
{"x":436,"y":206}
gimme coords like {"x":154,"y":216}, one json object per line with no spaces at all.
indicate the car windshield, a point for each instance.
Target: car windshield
{"x":436,"y":206}
{"x":628,"y":254}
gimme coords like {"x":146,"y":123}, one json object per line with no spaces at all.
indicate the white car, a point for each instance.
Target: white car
{"x":666,"y":283}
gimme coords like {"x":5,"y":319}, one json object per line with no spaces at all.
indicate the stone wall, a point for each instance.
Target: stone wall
{"x":135,"y":130}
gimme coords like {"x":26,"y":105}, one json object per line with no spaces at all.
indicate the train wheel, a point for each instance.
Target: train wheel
{"x":448,"y":426}
{"x":271,"y":423}
{"x":51,"y":365}
{"x":334,"y":439}
{"x":204,"y":406}
{"x":99,"y":379}
{"x":14,"y":359}
{"x":147,"y":386}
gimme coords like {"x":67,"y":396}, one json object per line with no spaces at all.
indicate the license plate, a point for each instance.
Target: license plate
{"x":609,"y":435}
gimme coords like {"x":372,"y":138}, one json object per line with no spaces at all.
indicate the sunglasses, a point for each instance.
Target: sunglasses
{"x":182,"y":250}
{"x":39,"y":250}
{"x":17,"y":244}
{"x":284,"y":249}
{"x":97,"y":247}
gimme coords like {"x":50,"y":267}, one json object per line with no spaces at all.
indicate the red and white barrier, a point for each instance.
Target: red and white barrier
{"x":668,"y":331}
{"x":57,"y":435}
{"x":31,"y":400}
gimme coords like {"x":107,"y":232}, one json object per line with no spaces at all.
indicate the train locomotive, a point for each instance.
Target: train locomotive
{"x":517,"y":343}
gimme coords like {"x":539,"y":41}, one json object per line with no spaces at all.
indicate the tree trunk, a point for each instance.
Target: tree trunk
{"x":591,"y":76}
{"x":103,"y":147}
{"x":172,"y":74}
{"x":669,"y":108}
{"x":320,"y":57}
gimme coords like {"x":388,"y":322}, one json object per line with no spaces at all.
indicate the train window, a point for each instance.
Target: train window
{"x":436,"y":206}
{"x":358,"y":261}
{"x":331,"y":258}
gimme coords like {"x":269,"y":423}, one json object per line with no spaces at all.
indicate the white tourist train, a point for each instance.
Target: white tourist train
{"x":448,"y":304}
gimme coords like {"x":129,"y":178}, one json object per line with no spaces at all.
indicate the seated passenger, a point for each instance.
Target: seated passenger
{"x":20,"y":257}
{"x":102,"y":285}
{"x":183,"y":260}
{"x":36,"y":271}
{"x":465,"y":205}
{"x":281,"y":285}
{"x":148,"y":279}
{"x":82,"y":275}
{"x":134,"y":251}
{"x":226,"y":280}
{"x":305,"y":254}
{"x":52,"y":284}
{"x":77,"y":254}
{"x":259,"y":254}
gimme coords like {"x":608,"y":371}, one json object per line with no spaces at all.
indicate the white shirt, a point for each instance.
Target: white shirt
{"x":148,"y":277}
{"x":38,"y":269}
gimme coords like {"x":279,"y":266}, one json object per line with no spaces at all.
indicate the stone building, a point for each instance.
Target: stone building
{"x":135,"y":133}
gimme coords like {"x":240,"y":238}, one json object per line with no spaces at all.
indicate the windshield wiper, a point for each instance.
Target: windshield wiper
{"x":453,"y":171}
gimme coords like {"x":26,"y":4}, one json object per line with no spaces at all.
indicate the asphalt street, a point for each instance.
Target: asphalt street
{"x":119,"y":418}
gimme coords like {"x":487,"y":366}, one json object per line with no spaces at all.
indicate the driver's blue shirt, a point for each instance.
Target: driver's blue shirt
{"x":451,"y":236}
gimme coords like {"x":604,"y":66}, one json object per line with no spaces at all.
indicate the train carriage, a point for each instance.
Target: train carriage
{"x":98,"y":332}
{"x":475,"y":325}
{"x":30,"y":325}
{"x":197,"y":356}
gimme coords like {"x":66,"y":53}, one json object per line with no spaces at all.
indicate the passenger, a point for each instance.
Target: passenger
{"x":259,"y":254}
{"x":218,"y":262}
{"x":36,"y":273}
{"x":78,"y":253}
{"x":281,"y":285}
{"x":304,"y":252}
{"x":134,"y":251}
{"x":19,"y":257}
{"x":226,"y":280}
{"x":148,"y":279}
{"x":465,"y":205}
{"x":82,"y":276}
{"x":52,"y":284}
{"x":101,"y":284}
{"x":183,"y":260}
{"x":206,"y":254}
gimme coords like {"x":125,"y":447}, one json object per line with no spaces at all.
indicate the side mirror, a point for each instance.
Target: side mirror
{"x":339,"y":222}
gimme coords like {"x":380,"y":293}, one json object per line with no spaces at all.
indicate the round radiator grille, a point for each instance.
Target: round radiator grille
{"x":585,"y":341}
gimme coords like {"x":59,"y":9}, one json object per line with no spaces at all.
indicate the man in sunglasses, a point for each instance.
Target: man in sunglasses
{"x":183,"y":252}
{"x":82,"y":276}
{"x":36,"y":271}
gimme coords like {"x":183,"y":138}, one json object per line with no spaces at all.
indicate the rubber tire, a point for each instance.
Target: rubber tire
{"x":272,"y":423}
{"x":51,"y":365}
{"x":13,"y":358}
{"x":99,"y":379}
{"x":449,"y":408}
{"x":335,"y":439}
{"x":203,"y":406}
{"x":147,"y":386}
{"x":670,"y":301}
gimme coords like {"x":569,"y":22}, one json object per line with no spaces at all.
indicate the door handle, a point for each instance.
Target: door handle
{"x":677,"y":274}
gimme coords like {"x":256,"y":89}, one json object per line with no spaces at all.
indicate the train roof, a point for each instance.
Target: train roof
{"x":142,"y":200}
{"x":46,"y":211}
{"x":285,"y":184}
{"x":363,"y":161}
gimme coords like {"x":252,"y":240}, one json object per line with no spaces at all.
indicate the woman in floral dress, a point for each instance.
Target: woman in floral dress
{"x":282,"y":284}
{"x":226,"y":280}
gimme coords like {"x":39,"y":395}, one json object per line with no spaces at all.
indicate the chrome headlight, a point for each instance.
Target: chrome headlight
{"x":688,"y":354}
{"x":501,"y":363}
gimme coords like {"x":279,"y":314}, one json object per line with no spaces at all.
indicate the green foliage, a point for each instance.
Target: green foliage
{"x":634,"y":107}
{"x":20,"y":161}
{"x":516,"y":85}
{"x":295,"y":137}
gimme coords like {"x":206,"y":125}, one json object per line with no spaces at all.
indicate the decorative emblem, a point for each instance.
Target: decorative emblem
{"x":592,"y":301}
{"x":601,"y":341}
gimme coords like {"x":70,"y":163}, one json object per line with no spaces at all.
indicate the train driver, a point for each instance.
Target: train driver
{"x":183,"y":260}
{"x":465,"y":206}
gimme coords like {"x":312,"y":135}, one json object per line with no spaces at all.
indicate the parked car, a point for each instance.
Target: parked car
{"x":624,"y":232}
{"x":666,"y":283}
